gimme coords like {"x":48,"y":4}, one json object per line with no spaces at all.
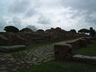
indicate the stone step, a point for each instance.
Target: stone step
{"x":3,"y":68}
{"x":86,"y":59}
{"x":14,"y":48}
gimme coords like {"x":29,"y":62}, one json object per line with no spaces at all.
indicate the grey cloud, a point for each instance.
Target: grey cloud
{"x":3,"y":23}
{"x":30,"y":13}
{"x":90,"y":20}
{"x":85,"y":9}
{"x":16,"y":21}
{"x":43,"y":20}
{"x":86,"y":16}
{"x":34,"y":28}
{"x":80,"y":13}
{"x":29,"y":8}
{"x":19,"y":6}
{"x":81,"y":4}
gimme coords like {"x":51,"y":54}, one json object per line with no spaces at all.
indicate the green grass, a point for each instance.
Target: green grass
{"x":36,"y":45}
{"x":90,"y":50}
{"x":39,"y":45}
{"x":61,"y":67}
{"x":32,"y":46}
{"x":67,"y":66}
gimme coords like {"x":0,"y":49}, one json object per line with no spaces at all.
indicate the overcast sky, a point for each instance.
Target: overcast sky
{"x":44,"y":14}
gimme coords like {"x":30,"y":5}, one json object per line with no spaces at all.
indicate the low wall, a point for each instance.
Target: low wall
{"x":64,"y":50}
{"x":26,"y":38}
{"x":15,"y":48}
{"x":85,"y":59}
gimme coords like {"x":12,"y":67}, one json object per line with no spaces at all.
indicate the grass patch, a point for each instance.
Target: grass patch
{"x":36,"y":45}
{"x":39,"y":45}
{"x":29,"y":47}
{"x":61,"y":67}
{"x":67,"y":66}
{"x":90,"y":50}
{"x":20,"y":53}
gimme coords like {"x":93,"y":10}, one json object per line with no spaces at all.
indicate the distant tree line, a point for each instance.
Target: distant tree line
{"x":14,"y":29}
{"x":91,"y":31}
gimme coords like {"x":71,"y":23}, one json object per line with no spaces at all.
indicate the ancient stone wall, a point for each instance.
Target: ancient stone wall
{"x":21,"y":38}
{"x":64,"y":50}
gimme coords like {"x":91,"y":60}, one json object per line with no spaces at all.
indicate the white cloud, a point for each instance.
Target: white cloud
{"x":67,"y":14}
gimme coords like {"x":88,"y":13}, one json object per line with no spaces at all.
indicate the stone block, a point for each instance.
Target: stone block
{"x":74,"y":43}
{"x":63,"y":51}
{"x":8,"y":49}
{"x":83,"y":43}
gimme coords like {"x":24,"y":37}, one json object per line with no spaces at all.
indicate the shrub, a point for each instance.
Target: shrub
{"x":83,"y":31}
{"x":11,"y":29}
{"x":26,"y":30}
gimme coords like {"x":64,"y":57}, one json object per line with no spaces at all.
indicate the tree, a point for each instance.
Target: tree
{"x":58,"y":28}
{"x":40,"y":31}
{"x":83,"y":31}
{"x":73,"y":30}
{"x":32,"y":27}
{"x":92,"y":32}
{"x":26,"y":30}
{"x":11,"y":29}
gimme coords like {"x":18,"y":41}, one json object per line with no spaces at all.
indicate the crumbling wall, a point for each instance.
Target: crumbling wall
{"x":64,"y":50}
{"x":23,"y":38}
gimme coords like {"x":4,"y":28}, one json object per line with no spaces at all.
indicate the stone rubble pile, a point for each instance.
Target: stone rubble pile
{"x":13,"y":62}
{"x":86,"y":59}
{"x":20,"y":60}
{"x":14,"y":48}
{"x":64,"y":50}
{"x":26,"y":38}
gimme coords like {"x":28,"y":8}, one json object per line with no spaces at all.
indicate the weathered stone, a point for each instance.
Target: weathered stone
{"x":18,"y":40}
{"x":85,"y":59}
{"x":3,"y":68}
{"x":22,"y":38}
{"x":75,"y":43}
{"x":12,"y":48}
{"x":3,"y":40}
{"x":62,"y":51}
{"x":83,"y":43}
{"x":88,"y":39}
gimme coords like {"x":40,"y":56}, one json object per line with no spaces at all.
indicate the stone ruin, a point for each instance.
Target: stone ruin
{"x":64,"y":50}
{"x":8,"y":49}
{"x":25,"y":38}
